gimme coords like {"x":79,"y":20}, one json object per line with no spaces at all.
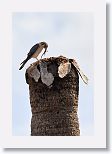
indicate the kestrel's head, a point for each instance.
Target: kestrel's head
{"x":44,"y":44}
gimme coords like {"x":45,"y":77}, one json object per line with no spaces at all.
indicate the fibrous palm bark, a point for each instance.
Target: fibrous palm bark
{"x":54,"y":107}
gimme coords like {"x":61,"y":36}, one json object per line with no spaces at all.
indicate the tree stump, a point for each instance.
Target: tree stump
{"x":53,"y":89}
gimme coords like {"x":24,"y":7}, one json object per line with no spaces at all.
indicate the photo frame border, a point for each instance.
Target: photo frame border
{"x":98,"y":8}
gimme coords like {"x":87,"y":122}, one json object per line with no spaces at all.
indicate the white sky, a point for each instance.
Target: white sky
{"x":67,"y":34}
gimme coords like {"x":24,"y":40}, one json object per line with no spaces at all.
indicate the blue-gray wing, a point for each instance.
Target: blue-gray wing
{"x":33,"y":50}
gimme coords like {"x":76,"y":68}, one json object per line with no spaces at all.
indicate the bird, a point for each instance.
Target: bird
{"x":34,"y":52}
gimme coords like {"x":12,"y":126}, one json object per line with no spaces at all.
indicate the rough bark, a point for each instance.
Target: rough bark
{"x":54,"y":107}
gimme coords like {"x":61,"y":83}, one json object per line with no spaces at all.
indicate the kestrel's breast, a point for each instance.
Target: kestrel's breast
{"x":38,"y":51}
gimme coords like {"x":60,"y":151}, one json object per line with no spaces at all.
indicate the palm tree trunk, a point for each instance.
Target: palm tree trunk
{"x":54,"y":108}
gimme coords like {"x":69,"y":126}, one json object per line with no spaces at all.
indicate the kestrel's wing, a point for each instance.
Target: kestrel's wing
{"x":32,"y":50}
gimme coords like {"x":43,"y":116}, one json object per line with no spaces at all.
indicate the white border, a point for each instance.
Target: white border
{"x":98,"y":8}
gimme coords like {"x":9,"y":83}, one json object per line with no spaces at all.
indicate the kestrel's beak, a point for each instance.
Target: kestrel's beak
{"x":46,"y":46}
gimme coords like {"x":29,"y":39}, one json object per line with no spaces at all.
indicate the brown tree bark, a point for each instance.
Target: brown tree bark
{"x":54,"y":108}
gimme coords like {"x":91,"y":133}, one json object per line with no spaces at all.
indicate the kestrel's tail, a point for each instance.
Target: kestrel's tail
{"x":23,"y":63}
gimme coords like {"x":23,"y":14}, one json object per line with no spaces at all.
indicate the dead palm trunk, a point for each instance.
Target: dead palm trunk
{"x":54,"y":103}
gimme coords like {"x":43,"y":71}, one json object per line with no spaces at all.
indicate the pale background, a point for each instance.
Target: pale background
{"x":109,"y":126}
{"x":67,"y":34}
